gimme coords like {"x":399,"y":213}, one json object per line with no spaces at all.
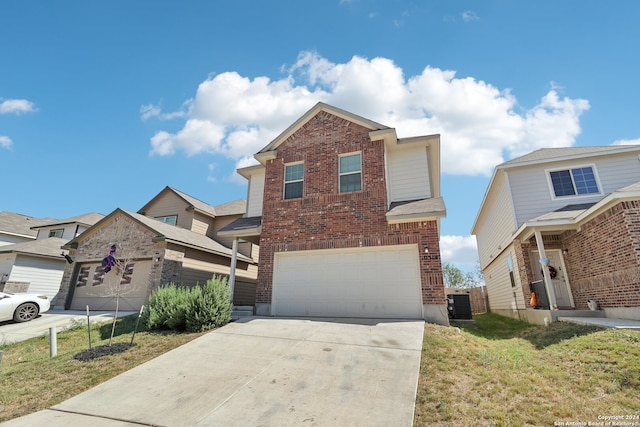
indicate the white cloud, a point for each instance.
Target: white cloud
{"x":469,"y":15}
{"x":459,"y":250}
{"x":480,"y":124}
{"x":17,"y":106}
{"x":627,"y":142}
{"x":148,"y":111}
{"x":5,"y":142}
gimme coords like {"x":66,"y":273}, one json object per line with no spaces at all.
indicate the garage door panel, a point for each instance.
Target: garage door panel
{"x":357,"y":282}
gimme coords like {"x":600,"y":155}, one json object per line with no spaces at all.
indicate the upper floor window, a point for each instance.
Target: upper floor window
{"x":350,"y":173}
{"x":293,"y":181}
{"x":170,"y":219}
{"x":572,"y":182}
{"x":58,"y":232}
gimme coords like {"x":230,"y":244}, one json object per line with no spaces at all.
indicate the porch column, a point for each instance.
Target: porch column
{"x":544,"y":262}
{"x":232,"y":267}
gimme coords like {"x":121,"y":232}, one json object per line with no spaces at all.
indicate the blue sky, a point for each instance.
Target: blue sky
{"x":103,"y":104}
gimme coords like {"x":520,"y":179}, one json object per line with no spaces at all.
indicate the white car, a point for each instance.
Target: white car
{"x":22,"y":307}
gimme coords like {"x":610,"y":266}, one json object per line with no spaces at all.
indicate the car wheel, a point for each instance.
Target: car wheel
{"x":26,"y":312}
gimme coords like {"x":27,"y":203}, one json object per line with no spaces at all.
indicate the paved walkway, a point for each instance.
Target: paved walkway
{"x":11,"y":332}
{"x":605,"y":322}
{"x":263,"y":372}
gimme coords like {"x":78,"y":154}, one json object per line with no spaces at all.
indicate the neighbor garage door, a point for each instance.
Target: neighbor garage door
{"x":98,"y":290}
{"x":357,"y":282}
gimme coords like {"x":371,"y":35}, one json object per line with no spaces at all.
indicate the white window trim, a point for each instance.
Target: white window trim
{"x":575,"y":196}
{"x":340,"y":174}
{"x":285,"y":182}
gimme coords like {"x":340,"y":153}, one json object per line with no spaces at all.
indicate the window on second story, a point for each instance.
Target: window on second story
{"x":350,"y":173}
{"x":58,"y":232}
{"x":293,"y":181}
{"x":572,"y":182}
{"x":169,"y":219}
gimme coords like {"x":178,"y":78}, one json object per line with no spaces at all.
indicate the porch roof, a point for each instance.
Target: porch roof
{"x":242,"y":227}
{"x":416,"y":210}
{"x":571,"y":217}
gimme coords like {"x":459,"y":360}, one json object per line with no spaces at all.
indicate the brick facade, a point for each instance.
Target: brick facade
{"x":602,"y":258}
{"x":324,"y":218}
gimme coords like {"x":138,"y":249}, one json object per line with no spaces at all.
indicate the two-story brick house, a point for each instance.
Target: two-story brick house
{"x":563,"y":223}
{"x":347,"y":217}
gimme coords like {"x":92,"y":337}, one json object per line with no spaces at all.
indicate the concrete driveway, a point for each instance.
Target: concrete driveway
{"x":263,"y":372}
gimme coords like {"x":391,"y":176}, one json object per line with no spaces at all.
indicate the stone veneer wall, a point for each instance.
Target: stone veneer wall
{"x":134,"y":242}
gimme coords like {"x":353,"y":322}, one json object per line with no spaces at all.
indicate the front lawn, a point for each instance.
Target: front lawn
{"x":503,"y":372}
{"x":30,"y":380}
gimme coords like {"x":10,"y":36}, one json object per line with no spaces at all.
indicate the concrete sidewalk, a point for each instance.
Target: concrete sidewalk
{"x":266,"y":372}
{"x":11,"y":332}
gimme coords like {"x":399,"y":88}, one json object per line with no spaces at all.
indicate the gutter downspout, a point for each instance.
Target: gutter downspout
{"x":544,"y":262}
{"x":232,"y":267}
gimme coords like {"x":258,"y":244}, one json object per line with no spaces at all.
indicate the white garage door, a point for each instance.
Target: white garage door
{"x":358,"y":282}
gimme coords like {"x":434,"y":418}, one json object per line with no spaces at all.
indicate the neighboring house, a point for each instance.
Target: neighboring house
{"x":37,"y":265}
{"x":66,"y":229}
{"x":347,"y":216}
{"x":17,"y":228}
{"x":172,"y":239}
{"x":576,"y":211}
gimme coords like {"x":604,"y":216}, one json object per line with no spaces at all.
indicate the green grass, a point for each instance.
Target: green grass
{"x":495,"y":372}
{"x":503,"y":372}
{"x":31,"y":380}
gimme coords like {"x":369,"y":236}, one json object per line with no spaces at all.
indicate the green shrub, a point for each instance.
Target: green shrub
{"x":190,"y":309}
{"x":210,"y":308}
{"x":167,"y":307}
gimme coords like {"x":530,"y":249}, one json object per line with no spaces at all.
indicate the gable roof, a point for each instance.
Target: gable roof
{"x":86,"y":219}
{"x":169,"y":233}
{"x":20,"y":225}
{"x":571,"y":216}
{"x":50,"y":247}
{"x":423,"y":209}
{"x":231,"y":208}
{"x":236,"y":207}
{"x":320,"y":106}
{"x":548,"y":155}
{"x":544,"y":155}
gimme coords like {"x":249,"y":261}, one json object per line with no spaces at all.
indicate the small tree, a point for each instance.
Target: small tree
{"x":456,"y":278}
{"x":117,"y":267}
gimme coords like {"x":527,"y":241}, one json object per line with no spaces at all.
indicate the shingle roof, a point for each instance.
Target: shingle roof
{"x":243,"y":224}
{"x":546,"y":154}
{"x":50,"y":247}
{"x":85,"y":219}
{"x":14,"y":223}
{"x":180,"y":235}
{"x":195,"y":203}
{"x":428,"y":207}
{"x":575,"y":207}
{"x":237,"y":207}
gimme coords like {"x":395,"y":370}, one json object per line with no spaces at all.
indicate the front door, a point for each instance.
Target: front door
{"x":564,"y":299}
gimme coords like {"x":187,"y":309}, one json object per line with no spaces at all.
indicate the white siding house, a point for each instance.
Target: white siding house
{"x":37,"y":265}
{"x":557,"y":208}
